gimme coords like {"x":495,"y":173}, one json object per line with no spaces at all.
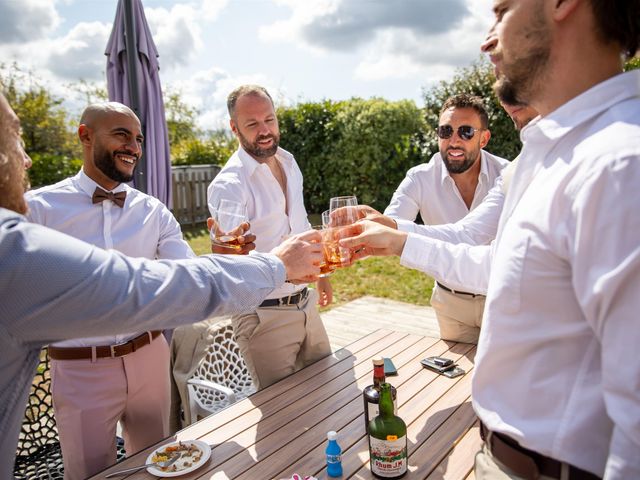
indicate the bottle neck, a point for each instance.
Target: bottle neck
{"x":386,"y":400}
{"x":378,"y":375}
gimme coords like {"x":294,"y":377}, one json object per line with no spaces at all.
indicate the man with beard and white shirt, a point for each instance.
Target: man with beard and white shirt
{"x":93,"y":391}
{"x":556,"y":383}
{"x":454,"y":182}
{"x":286,"y":332}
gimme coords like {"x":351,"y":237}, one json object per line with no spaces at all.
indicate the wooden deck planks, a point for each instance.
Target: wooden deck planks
{"x":346,"y":323}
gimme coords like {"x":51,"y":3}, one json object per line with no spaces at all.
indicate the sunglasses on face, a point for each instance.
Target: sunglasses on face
{"x":465,"y":132}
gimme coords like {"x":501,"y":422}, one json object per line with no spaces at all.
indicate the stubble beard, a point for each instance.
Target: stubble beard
{"x":255,"y":150}
{"x":521,"y":80}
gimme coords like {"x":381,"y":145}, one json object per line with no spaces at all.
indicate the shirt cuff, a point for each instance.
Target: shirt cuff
{"x":279,"y":270}
{"x":405,"y":225}
{"x":417,"y":252}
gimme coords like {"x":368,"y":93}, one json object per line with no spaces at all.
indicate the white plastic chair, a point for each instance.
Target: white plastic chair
{"x":222,"y":378}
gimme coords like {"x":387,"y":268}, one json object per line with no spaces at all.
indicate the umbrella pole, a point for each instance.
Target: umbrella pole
{"x":131,"y":42}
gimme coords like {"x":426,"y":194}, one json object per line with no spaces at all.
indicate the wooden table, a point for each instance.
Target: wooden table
{"x":282,"y":429}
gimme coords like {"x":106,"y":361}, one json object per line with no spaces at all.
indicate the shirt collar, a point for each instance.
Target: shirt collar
{"x":88,"y":186}
{"x":250,"y":163}
{"x":583,"y":108}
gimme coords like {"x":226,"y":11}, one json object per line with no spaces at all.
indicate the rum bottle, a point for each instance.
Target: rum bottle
{"x":387,"y":440}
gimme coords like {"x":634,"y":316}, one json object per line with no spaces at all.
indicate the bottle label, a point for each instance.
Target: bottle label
{"x":388,"y":457}
{"x":334,"y":458}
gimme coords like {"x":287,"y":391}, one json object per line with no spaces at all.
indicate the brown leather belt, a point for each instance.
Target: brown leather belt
{"x":458,"y":292}
{"x":102,"y":351}
{"x":527,"y":463}
{"x":290,"y":300}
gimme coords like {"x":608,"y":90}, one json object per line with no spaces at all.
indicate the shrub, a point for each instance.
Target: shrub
{"x":361,"y":147}
{"x":49,"y":168}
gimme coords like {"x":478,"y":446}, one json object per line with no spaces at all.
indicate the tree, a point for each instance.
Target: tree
{"x":476,"y":79}
{"x":46,"y":130}
{"x":181,"y":119}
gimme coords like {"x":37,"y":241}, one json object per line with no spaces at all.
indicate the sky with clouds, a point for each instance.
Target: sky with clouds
{"x":301,"y":50}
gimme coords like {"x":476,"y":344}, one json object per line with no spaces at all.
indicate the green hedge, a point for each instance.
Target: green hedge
{"x":49,"y":168}
{"x":361,"y":147}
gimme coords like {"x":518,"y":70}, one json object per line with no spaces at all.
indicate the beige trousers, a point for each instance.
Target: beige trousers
{"x":459,"y":316}
{"x":487,"y":467}
{"x":278,"y":341}
{"x":90,"y":398}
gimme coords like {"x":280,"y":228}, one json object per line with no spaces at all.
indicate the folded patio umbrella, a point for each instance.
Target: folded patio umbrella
{"x":133,"y":79}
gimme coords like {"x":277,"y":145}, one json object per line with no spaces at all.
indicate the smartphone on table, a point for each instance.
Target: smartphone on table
{"x":443,"y":366}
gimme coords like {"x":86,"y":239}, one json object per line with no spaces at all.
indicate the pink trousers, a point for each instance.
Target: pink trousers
{"x":89,"y":399}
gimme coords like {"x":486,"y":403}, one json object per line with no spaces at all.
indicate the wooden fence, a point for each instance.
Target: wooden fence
{"x":190,"y":184}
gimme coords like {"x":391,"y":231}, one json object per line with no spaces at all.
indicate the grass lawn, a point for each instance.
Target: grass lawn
{"x":380,"y":277}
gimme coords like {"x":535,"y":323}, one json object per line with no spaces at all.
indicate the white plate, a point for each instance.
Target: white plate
{"x":204,"y":448}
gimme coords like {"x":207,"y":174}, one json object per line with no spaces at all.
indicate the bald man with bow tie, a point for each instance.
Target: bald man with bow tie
{"x":99,"y":381}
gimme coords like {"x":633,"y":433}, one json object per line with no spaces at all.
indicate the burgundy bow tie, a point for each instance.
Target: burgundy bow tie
{"x":100,"y":195}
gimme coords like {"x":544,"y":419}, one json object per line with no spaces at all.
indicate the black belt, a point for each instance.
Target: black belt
{"x":526,"y":463}
{"x":102,"y":351}
{"x":294,"y":299}
{"x":451,"y":290}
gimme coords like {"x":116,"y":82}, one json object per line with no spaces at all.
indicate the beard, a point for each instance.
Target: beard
{"x":520,"y":79}
{"x":106,"y":163}
{"x":468,"y":159}
{"x":255,"y":150}
{"x":14,"y":180}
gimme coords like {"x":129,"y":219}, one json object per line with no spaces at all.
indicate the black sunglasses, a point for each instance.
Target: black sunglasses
{"x":465,"y":132}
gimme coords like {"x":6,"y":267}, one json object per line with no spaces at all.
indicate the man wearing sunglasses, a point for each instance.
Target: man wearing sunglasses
{"x":444,"y":190}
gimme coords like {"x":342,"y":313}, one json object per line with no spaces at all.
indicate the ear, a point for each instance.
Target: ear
{"x":484,"y":139}
{"x":564,"y":8}
{"x":234,"y":127}
{"x":85,"y":134}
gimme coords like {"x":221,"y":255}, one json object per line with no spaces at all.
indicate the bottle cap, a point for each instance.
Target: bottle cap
{"x":332,"y":435}
{"x":378,"y":361}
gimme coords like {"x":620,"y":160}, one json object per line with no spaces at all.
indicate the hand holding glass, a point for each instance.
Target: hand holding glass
{"x":228,"y":217}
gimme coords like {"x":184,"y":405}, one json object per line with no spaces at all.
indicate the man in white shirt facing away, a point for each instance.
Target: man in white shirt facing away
{"x":556,"y":384}
{"x":285,"y":333}
{"x":444,"y":190}
{"x":57,"y":287}
{"x":92,"y":390}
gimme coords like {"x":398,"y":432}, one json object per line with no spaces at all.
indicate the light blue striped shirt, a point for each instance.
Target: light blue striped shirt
{"x":56,"y":287}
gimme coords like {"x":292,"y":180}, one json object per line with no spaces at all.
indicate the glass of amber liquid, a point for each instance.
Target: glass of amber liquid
{"x":227,"y":218}
{"x":326,"y":268}
{"x":334,"y":228}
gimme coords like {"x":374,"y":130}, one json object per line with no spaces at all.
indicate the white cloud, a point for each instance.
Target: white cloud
{"x":26,"y":20}
{"x":210,"y":9}
{"x":176,"y":33}
{"x":207,"y":91}
{"x":80,"y":53}
{"x":395,"y":40}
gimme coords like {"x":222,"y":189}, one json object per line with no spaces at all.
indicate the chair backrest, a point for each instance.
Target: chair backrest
{"x":222,"y":364}
{"x":38,"y":452}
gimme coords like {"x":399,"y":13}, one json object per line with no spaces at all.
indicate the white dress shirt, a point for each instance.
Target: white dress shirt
{"x":456,"y":253}
{"x":557,"y":366}
{"x":429,"y":189}
{"x":272,"y":216}
{"x":144,"y":227}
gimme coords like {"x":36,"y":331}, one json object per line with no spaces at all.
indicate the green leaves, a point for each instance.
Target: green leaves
{"x":361,"y":147}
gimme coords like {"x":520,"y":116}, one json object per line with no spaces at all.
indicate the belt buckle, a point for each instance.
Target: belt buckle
{"x":112,"y":349}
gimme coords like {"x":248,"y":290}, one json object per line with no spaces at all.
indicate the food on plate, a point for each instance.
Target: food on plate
{"x":190,"y":454}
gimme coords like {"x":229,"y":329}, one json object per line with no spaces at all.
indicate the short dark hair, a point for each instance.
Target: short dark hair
{"x":465,"y":100}
{"x":618,"y":21}
{"x":245,"y":90}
